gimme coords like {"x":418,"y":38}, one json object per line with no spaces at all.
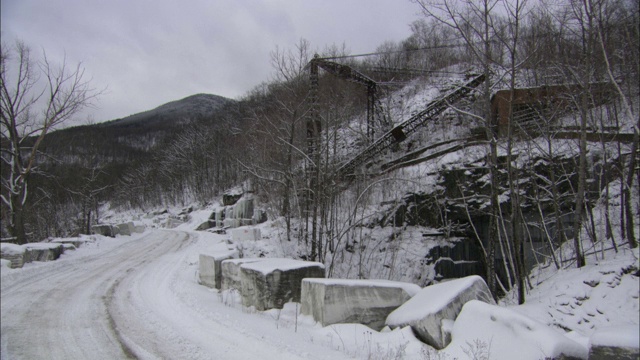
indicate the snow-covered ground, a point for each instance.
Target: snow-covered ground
{"x":138,"y":297}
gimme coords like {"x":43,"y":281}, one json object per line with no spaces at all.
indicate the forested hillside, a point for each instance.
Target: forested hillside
{"x":541,"y":154}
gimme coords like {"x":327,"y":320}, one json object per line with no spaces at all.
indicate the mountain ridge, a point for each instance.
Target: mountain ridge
{"x":190,"y":107}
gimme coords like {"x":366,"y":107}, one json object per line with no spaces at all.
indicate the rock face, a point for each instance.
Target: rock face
{"x":426,"y":311}
{"x":245,"y":234}
{"x":209,"y":268}
{"x":231,"y":273}
{"x":230,"y":199}
{"x":367,"y":302}
{"x":44,"y":251}
{"x":16,"y":254}
{"x":231,"y":223}
{"x":620,"y":342}
{"x":270,"y":283}
{"x":243,"y":209}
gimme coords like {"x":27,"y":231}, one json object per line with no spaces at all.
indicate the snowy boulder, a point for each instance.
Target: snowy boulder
{"x":208,"y":224}
{"x":44,"y":251}
{"x":16,"y":254}
{"x":270,"y":283}
{"x":104,"y":230}
{"x":171,"y":223}
{"x":126,"y":228}
{"x":620,"y":342}
{"x":493,"y":332}
{"x":139,"y":227}
{"x":367,"y":302}
{"x":245,"y":234}
{"x":427,"y":311}
{"x":210,"y":270}
{"x":231,"y":272}
{"x":68,"y":247}
{"x":76,"y":242}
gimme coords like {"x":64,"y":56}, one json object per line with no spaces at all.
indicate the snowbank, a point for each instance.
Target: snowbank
{"x":498,"y":333}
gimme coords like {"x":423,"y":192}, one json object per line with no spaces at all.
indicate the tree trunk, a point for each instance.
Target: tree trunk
{"x":17,"y":227}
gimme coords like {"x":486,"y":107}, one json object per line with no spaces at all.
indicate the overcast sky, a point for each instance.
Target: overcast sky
{"x":149,"y":52}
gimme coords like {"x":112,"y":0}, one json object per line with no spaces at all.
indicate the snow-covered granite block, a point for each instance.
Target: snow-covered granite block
{"x":68,"y":247}
{"x":171,"y":223}
{"x":493,"y":332}
{"x":367,"y":302}
{"x":426,"y":311}
{"x":619,"y":342}
{"x":231,"y":272}
{"x":271,"y":283}
{"x":44,"y":251}
{"x":16,"y":254}
{"x":209,"y":268}
{"x":139,"y":227}
{"x":245,"y":234}
{"x":76,"y":241}
{"x":126,"y":228}
{"x":104,"y":230}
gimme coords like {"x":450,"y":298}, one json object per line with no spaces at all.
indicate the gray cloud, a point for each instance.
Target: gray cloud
{"x":151,"y":52}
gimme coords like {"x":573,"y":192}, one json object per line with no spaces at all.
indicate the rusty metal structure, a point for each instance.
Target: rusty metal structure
{"x":396,"y":135}
{"x":526,"y":105}
{"x":408,"y":127}
{"x":350,"y":74}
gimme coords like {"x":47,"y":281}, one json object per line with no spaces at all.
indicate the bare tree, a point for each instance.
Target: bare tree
{"x":473,"y":21}
{"x":277,"y":112}
{"x":515,"y":14}
{"x":64,"y":92}
{"x":599,"y":23}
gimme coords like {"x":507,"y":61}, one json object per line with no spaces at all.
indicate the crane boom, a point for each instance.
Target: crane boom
{"x":408,"y":127}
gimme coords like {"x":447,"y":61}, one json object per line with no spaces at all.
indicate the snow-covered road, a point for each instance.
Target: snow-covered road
{"x":138,"y":299}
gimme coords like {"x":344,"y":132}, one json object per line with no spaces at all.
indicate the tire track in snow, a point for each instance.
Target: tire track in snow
{"x":58,"y":310}
{"x":137,"y":301}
